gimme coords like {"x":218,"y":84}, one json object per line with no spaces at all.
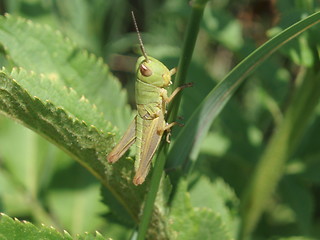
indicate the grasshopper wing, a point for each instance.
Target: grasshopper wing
{"x":124,"y":144}
{"x":152,"y":131}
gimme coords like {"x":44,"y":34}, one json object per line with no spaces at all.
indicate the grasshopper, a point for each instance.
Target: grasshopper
{"x":148,"y":126}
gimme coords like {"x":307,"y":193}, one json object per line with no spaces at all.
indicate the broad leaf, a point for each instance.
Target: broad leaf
{"x":187,"y":222}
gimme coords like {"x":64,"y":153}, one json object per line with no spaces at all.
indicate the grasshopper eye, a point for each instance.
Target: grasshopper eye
{"x":145,"y":71}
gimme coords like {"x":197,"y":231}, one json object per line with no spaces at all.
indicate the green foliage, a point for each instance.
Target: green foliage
{"x":246,"y":169}
{"x":14,"y":230}
{"x":66,"y":65}
{"x":201,"y":223}
{"x":220,"y":199}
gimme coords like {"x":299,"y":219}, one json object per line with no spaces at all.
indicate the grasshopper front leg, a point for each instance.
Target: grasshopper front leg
{"x":167,"y":99}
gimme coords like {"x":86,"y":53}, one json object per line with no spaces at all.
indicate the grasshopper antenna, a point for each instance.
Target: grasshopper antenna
{"x":139,"y":37}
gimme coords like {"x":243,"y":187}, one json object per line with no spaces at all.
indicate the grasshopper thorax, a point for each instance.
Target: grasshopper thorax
{"x":153,"y":72}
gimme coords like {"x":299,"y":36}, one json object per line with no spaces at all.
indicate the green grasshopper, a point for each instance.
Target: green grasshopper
{"x":148,"y":126}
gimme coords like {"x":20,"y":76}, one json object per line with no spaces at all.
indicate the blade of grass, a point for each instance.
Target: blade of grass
{"x":188,"y":46}
{"x":191,"y":135}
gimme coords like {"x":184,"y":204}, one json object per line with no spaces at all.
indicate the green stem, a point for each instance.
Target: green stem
{"x":188,"y":46}
{"x":186,"y":56}
{"x":282,"y":144}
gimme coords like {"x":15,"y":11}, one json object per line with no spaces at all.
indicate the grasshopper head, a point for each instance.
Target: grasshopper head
{"x":153,"y":72}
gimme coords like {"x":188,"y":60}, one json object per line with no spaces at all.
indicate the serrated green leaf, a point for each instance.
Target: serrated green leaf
{"x":191,"y":223}
{"x":50,"y":90}
{"x":218,"y":197}
{"x":15,"y":230}
{"x":86,"y":144}
{"x":42,"y":50}
{"x":90,"y":236}
{"x":63,"y":99}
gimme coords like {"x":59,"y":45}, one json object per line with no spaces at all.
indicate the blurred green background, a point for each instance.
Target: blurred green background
{"x":40,"y":183}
